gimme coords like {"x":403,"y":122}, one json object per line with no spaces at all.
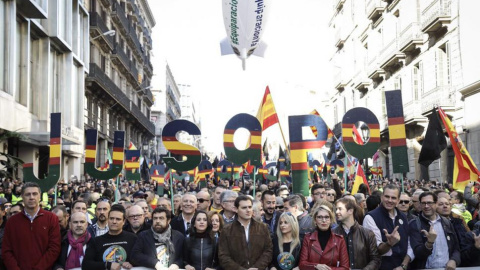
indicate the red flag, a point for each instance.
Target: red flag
{"x":267,"y":115}
{"x":315,"y":131}
{"x":357,"y":137}
{"x":359,"y":179}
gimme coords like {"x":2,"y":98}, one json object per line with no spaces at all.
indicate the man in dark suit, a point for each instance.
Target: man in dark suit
{"x":182,"y":222}
{"x":161,"y":247}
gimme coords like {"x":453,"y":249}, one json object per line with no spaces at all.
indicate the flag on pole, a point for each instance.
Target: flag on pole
{"x":359,"y":179}
{"x":434,"y":142}
{"x":158,"y":178}
{"x":131,"y":146}
{"x":464,"y":169}
{"x":267,"y":115}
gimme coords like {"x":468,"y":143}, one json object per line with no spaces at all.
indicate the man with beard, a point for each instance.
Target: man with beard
{"x":32,"y":237}
{"x":101,"y":226}
{"x":294,"y":205}
{"x":73,"y":246}
{"x":270,"y":216}
{"x":246,"y":243}
{"x":136,"y":220}
{"x":433,"y":237}
{"x":112,"y":250}
{"x":62,"y":215}
{"x":361,"y":243}
{"x":160,"y":247}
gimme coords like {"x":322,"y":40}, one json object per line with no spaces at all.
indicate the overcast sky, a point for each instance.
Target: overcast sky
{"x":187,"y":36}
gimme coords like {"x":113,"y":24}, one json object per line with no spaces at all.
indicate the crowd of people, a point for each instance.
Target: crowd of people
{"x":238,"y":225}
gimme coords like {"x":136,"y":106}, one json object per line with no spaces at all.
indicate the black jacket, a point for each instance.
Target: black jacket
{"x":200,"y":252}
{"x":470,"y":254}
{"x":62,"y":259}
{"x":418,"y":239}
{"x":144,"y":252}
{"x":276,"y":251}
{"x":177,"y":224}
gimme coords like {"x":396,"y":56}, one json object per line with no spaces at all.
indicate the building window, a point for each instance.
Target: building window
{"x":21,"y":62}
{"x":417,"y":80}
{"x":100,"y":118}
{"x":55,"y":69}
{"x":86,"y":110}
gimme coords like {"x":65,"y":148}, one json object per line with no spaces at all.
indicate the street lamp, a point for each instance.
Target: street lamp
{"x":365,"y":133}
{"x":108,"y":33}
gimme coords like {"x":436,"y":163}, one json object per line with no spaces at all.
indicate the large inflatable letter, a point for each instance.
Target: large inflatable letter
{"x":396,"y":130}
{"x":349,"y":120}
{"x":49,"y":181}
{"x":300,"y":147}
{"x":132,"y":165}
{"x":252,"y":153}
{"x":170,"y":141}
{"x":91,"y":154}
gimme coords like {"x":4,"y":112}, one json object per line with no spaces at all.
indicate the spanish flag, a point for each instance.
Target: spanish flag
{"x":267,"y":115}
{"x":464,"y":169}
{"x":359,"y":179}
{"x":357,"y":137}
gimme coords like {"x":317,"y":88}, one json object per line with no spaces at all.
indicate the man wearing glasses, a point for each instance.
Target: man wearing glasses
{"x":318,"y":193}
{"x":136,"y":220}
{"x":404,"y":205}
{"x":391,"y":230}
{"x":433,"y":237}
{"x":203,"y":201}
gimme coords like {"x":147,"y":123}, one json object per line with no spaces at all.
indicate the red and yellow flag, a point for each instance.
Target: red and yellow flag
{"x":314,"y":129}
{"x":267,"y":115}
{"x":359,"y":179}
{"x":464,"y":169}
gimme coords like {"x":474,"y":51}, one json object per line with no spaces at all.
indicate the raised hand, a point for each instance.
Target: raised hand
{"x":392,"y":238}
{"x":476,"y":238}
{"x":431,"y":234}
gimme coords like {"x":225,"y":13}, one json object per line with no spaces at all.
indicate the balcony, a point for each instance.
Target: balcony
{"x":97,"y":28}
{"x":31,"y":9}
{"x":134,"y":73}
{"x":147,"y":67}
{"x":170,"y":113}
{"x":340,"y":81}
{"x":436,"y":16}
{"x":106,"y":3}
{"x":130,"y":4}
{"x":410,"y":38}
{"x":96,"y":78}
{"x":412,"y":112}
{"x":135,"y":43}
{"x":339,"y":4}
{"x":375,"y":9}
{"x":390,"y":57}
{"x":119,"y":17}
{"x":142,"y":119}
{"x":443,"y":96}
{"x":374,"y":72}
{"x":120,"y":59}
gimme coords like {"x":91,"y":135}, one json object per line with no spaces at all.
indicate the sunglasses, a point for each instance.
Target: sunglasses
{"x":202,"y":200}
{"x":404,"y":202}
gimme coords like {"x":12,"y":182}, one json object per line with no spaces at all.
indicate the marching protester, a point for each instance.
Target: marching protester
{"x":323,"y":249}
{"x":161,"y":247}
{"x":113,"y":250}
{"x":286,"y":243}
{"x":293,"y":204}
{"x":74,"y":245}
{"x":270,"y":215}
{"x":200,"y":248}
{"x":245,"y":243}
{"x":227,"y":200}
{"x":100,"y":227}
{"x":136,"y":220}
{"x":183,"y":221}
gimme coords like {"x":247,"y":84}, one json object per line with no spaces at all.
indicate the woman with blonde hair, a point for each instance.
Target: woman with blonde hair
{"x":286,"y":243}
{"x":323,"y":249}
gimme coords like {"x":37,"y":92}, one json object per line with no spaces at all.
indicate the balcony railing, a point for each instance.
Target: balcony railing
{"x":99,"y":77}
{"x":120,"y":58}
{"x":339,"y":80}
{"x":97,"y":28}
{"x":375,"y":9}
{"x":118,"y":15}
{"x":134,"y":72}
{"x":148,"y":65}
{"x":106,"y":3}
{"x":412,"y":110}
{"x":142,"y":119}
{"x":135,"y":41}
{"x":340,"y":37}
{"x":390,"y":56}
{"x":439,"y":96}
{"x":436,"y":15}
{"x":410,"y":38}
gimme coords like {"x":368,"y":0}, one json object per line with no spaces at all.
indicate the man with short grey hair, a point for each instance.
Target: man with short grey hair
{"x":294,"y":205}
{"x":257,"y":211}
{"x":417,"y":208}
{"x":361,"y":201}
{"x":227,"y":200}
